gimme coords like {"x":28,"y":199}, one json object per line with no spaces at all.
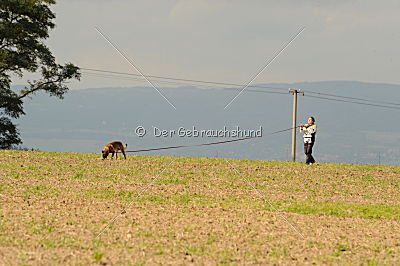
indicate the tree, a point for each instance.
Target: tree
{"x":24,"y":25}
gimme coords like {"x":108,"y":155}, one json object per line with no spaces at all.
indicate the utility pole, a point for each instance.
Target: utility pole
{"x":294,"y":121}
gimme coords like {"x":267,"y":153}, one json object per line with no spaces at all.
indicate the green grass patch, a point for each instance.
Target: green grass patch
{"x":370,"y":211}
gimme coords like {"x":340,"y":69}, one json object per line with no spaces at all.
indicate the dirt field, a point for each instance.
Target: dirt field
{"x":195,"y":211}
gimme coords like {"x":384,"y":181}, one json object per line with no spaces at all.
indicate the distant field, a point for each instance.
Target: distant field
{"x":195,"y":211}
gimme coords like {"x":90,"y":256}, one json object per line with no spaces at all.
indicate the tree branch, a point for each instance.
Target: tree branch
{"x":38,"y":87}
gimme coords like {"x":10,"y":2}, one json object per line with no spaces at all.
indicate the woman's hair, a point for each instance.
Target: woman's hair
{"x":313,"y":119}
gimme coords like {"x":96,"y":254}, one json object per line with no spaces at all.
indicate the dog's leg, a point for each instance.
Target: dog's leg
{"x":112,"y":156}
{"x":123,"y":152}
{"x":116,"y":155}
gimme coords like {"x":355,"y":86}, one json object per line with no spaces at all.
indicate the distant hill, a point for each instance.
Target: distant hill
{"x":87,"y":119}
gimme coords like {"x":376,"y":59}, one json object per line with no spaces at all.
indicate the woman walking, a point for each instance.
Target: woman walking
{"x":309,"y":130}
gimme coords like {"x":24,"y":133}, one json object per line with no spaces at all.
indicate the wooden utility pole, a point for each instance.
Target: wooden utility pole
{"x":294,"y":122}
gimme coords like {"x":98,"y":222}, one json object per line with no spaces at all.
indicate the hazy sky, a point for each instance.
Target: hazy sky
{"x":231,"y":40}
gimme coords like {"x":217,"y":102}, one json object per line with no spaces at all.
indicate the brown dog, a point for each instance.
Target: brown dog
{"x":114,"y":147}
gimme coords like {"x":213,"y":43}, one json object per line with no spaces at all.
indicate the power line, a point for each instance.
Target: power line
{"x":352,"y":98}
{"x":140,"y":79}
{"x":338,"y":100}
{"x":240,"y":85}
{"x":210,"y":85}
{"x":185,"y":80}
{"x":361,"y":103}
{"x":167,"y":80}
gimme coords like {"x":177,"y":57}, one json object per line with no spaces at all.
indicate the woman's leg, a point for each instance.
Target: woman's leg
{"x":310,"y":157}
{"x":308,"y":151}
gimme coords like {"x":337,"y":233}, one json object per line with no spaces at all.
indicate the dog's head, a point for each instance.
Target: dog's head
{"x":105,"y":152}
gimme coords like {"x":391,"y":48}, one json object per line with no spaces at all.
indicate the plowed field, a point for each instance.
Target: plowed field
{"x":58,"y":208}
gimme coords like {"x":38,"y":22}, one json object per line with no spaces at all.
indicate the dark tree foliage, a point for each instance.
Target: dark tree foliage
{"x":24,"y":25}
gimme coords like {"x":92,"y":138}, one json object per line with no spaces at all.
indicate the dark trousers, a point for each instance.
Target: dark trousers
{"x":308,"y":152}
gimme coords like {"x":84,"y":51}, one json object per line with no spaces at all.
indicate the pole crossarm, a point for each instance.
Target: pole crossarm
{"x":295,"y":91}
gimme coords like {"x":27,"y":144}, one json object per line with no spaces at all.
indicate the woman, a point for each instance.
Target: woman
{"x":309,"y":130}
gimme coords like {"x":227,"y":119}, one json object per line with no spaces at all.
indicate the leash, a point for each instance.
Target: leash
{"x":210,"y":143}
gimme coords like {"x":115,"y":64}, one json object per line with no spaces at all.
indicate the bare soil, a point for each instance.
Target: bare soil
{"x":175,"y":210}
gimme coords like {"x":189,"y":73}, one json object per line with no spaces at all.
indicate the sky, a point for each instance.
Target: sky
{"x":229,"y":41}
